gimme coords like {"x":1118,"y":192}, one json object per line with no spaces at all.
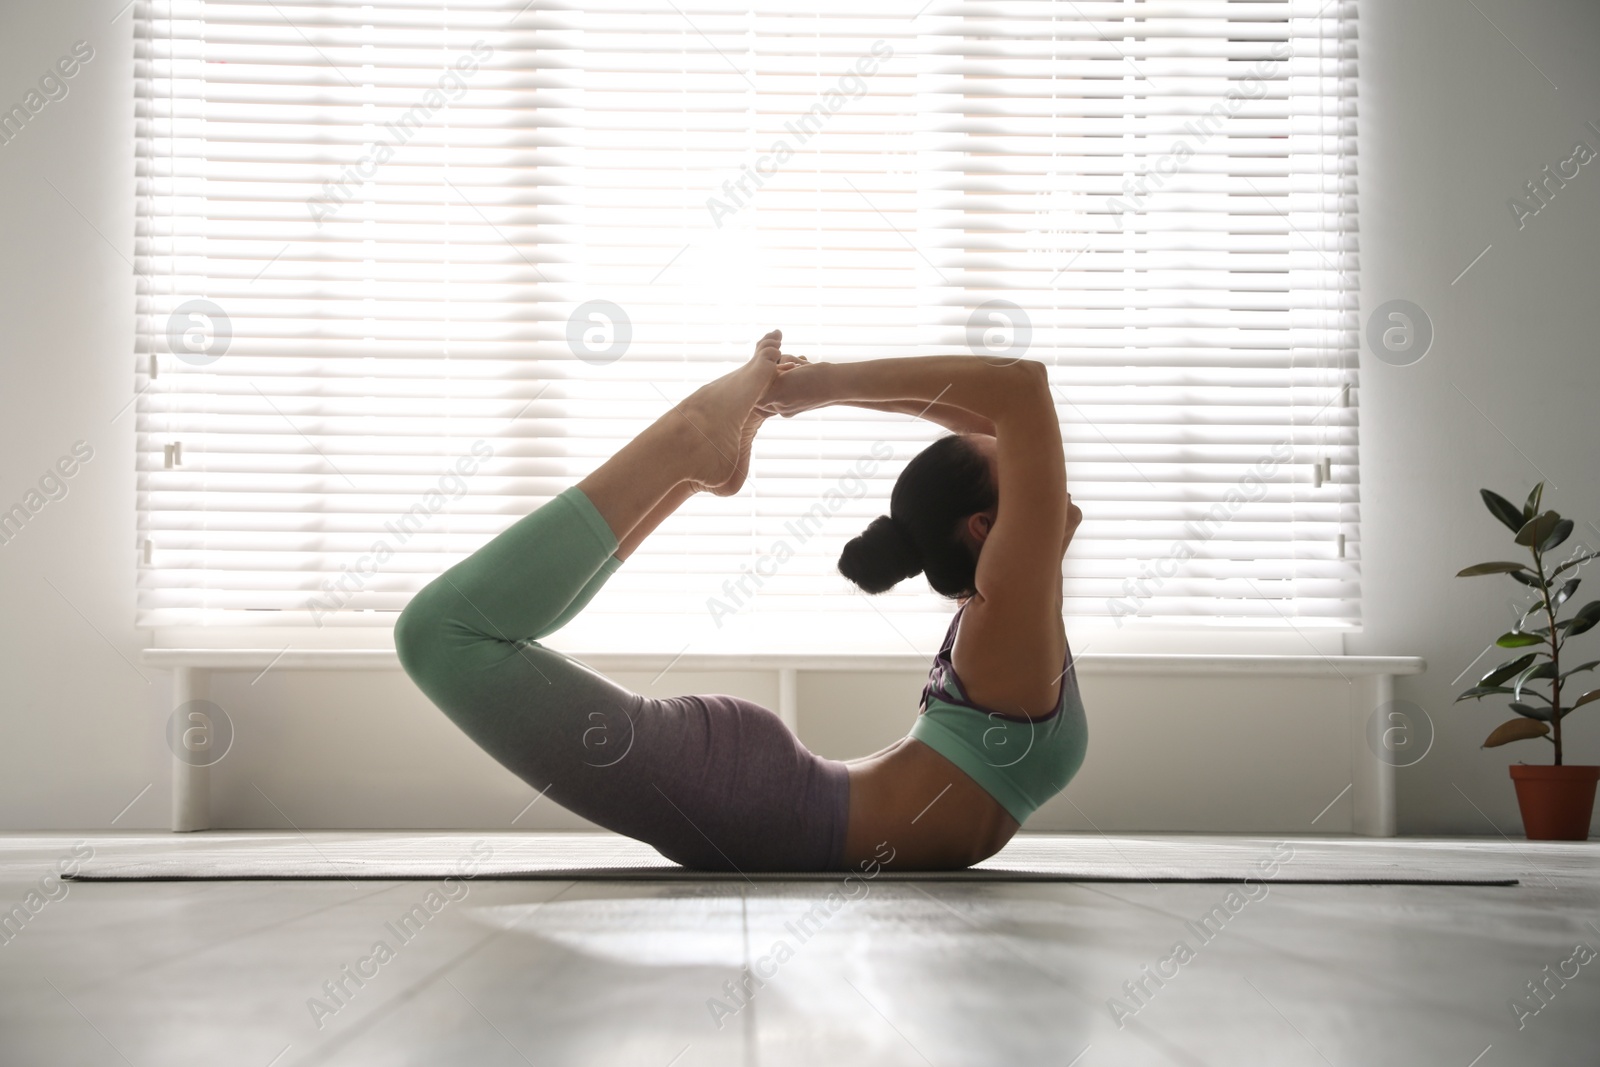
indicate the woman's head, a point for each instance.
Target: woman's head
{"x":939,"y":512}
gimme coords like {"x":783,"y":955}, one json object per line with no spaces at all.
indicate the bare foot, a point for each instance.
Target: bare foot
{"x":741,"y":467}
{"x":725,"y":420}
{"x":752,"y":425}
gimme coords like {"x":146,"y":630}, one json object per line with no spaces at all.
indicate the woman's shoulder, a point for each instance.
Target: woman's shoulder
{"x":1009,"y":657}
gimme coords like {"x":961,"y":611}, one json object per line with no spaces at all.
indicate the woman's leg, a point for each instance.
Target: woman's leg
{"x":669,"y":503}
{"x":584,"y":533}
{"x":709,"y":781}
{"x":646,"y":526}
{"x":704,"y":441}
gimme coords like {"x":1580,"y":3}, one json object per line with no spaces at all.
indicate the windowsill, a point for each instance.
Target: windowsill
{"x":1107,"y":663}
{"x":843,"y":636}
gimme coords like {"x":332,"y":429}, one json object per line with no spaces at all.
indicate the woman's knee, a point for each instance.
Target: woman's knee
{"x":418,"y":630}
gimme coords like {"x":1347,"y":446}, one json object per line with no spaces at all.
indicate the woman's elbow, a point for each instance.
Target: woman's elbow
{"x":1032,"y":378}
{"x":1029,"y":390}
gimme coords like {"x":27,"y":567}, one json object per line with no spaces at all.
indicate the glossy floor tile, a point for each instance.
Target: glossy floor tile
{"x":554,"y":973}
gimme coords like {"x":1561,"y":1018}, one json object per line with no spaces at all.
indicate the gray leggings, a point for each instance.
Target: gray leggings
{"x":712,"y":782}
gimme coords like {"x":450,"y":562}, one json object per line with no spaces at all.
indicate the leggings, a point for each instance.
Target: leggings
{"x":711,"y":782}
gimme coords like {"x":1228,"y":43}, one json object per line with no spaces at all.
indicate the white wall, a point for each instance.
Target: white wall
{"x":1453,"y":121}
{"x":76,"y":745}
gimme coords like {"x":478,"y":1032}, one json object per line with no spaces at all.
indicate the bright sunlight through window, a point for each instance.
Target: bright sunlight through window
{"x":408,"y":270}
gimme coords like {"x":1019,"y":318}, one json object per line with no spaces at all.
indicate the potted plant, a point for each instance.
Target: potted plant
{"x":1556,"y":800}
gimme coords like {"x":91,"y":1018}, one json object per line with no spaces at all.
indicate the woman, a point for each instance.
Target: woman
{"x":716,"y":782}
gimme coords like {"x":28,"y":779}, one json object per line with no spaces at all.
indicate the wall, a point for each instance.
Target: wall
{"x":1454,"y":120}
{"x":76,"y":745}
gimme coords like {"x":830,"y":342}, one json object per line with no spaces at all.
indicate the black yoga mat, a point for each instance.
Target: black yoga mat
{"x":1154,"y":859}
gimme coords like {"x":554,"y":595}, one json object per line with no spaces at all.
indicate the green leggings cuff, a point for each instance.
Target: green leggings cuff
{"x":586,"y":594}
{"x":591,"y":517}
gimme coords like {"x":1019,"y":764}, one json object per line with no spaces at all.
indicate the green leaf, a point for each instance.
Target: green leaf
{"x":1543,"y":670}
{"x":1536,"y":529}
{"x":1591,"y":695}
{"x":1478,"y":692}
{"x":1529,"y":579}
{"x":1584,"y":620}
{"x":1508,"y":670}
{"x":1503,"y":509}
{"x":1576,"y":561}
{"x":1515,"y":730}
{"x":1564,"y":594}
{"x":1562,"y":531}
{"x":1531,"y":712}
{"x":1591,"y":665}
{"x":1518,"y":640}
{"x":1501,"y":567}
{"x":1531,"y":508}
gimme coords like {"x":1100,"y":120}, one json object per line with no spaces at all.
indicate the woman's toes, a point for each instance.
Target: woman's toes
{"x":770,"y":347}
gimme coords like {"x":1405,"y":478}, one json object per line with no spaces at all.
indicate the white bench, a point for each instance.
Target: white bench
{"x":1372,"y":784}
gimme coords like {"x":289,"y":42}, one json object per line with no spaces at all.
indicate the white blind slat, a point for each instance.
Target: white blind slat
{"x":362,"y":230}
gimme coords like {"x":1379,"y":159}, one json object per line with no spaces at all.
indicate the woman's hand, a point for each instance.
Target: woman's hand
{"x":799,"y":386}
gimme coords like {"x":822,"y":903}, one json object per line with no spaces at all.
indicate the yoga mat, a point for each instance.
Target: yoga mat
{"x":608,"y":857}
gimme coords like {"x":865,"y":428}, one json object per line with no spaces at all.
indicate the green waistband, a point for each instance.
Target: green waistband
{"x":1020,"y":763}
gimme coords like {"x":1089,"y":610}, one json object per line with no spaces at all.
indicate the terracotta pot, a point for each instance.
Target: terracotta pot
{"x":1556,"y":802}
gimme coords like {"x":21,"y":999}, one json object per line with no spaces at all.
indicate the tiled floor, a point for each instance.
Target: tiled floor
{"x":561,"y":972}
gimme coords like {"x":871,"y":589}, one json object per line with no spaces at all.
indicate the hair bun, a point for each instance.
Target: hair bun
{"x":881,"y":556}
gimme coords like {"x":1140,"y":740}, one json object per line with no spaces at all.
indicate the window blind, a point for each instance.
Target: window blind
{"x":407,"y":270}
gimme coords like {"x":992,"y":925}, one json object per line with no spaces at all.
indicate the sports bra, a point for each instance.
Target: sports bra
{"x":1021,"y":762}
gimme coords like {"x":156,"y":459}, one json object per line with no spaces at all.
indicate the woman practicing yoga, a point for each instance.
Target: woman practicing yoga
{"x":720,"y":783}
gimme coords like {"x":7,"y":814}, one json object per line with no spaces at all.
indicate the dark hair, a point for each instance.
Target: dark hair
{"x":941,"y":486}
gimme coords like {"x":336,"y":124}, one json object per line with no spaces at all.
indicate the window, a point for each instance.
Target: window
{"x":407,"y":270}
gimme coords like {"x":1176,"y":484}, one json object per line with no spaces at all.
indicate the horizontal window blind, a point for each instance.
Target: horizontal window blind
{"x":1167,"y":191}
{"x":407,"y":270}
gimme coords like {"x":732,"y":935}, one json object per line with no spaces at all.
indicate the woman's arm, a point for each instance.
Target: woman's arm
{"x":1012,"y":643}
{"x":971,"y":383}
{"x":951,"y":417}
{"x":958,"y":420}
